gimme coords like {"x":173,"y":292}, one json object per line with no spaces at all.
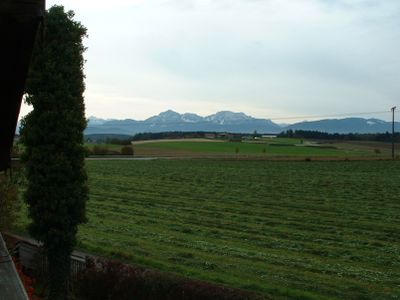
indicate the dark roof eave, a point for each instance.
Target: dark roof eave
{"x":19,"y":21}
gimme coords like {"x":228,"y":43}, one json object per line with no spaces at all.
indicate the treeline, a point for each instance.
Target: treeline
{"x":172,"y":135}
{"x":115,"y":139}
{"x":305,"y":134}
{"x":118,"y":141}
{"x":105,"y":150}
{"x":123,"y":140}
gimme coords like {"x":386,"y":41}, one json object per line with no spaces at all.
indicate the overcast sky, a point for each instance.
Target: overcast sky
{"x":266,"y":58}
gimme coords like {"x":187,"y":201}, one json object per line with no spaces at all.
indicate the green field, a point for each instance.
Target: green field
{"x":268,"y":148}
{"x":297,"y":230}
{"x":278,"y":147}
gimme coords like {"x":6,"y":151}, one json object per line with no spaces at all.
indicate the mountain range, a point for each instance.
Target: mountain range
{"x":227,"y":121}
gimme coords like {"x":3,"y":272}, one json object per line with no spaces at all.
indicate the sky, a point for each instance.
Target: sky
{"x":267,"y":58}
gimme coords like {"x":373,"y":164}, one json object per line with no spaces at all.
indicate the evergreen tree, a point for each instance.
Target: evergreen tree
{"x":53,"y":136}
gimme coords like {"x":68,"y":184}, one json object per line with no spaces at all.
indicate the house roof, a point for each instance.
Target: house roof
{"x":19,"y":21}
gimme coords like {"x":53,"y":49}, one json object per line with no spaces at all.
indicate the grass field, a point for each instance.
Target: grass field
{"x":259,"y":149}
{"x":298,"y":230}
{"x":278,"y":147}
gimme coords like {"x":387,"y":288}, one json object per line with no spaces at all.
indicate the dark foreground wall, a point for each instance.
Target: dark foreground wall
{"x":19,"y":21}
{"x":11,"y":287}
{"x":97,"y":278}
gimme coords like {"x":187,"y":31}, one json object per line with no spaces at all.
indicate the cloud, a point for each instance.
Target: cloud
{"x":293,"y":56}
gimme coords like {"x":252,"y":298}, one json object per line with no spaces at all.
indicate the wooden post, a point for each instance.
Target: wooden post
{"x":393,"y":137}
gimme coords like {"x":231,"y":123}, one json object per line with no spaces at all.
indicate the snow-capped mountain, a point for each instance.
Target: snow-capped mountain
{"x":171,"y":116}
{"x":95,"y":121}
{"x":227,"y":121}
{"x":168,"y":116}
{"x":172,"y":121}
{"x":373,"y":122}
{"x":228,"y":117}
{"x":192,"y":118}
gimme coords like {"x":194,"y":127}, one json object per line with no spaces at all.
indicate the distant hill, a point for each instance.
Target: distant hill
{"x":347,"y":125}
{"x":227,"y":121}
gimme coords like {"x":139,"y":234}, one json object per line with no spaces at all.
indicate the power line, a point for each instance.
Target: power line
{"x":331,"y":116}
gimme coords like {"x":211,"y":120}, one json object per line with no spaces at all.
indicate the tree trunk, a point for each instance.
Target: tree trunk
{"x":59,"y":267}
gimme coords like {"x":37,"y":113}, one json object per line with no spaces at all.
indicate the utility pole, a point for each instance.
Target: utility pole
{"x":393,"y":109}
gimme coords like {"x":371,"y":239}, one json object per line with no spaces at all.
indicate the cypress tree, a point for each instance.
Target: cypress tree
{"x":53,"y":136}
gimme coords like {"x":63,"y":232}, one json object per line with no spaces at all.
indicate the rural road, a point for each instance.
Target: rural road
{"x":121,"y":158}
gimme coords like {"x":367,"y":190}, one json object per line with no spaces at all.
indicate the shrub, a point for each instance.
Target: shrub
{"x":88,"y":152}
{"x":377,"y":151}
{"x":105,"y":279}
{"x":15,"y":152}
{"x":27,"y":281}
{"x":9,"y":205}
{"x":127,"y":150}
{"x":100,"y":150}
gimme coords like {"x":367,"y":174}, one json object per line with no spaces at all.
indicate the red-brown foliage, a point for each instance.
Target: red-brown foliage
{"x":27,"y":281}
{"x":104,"y":279}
